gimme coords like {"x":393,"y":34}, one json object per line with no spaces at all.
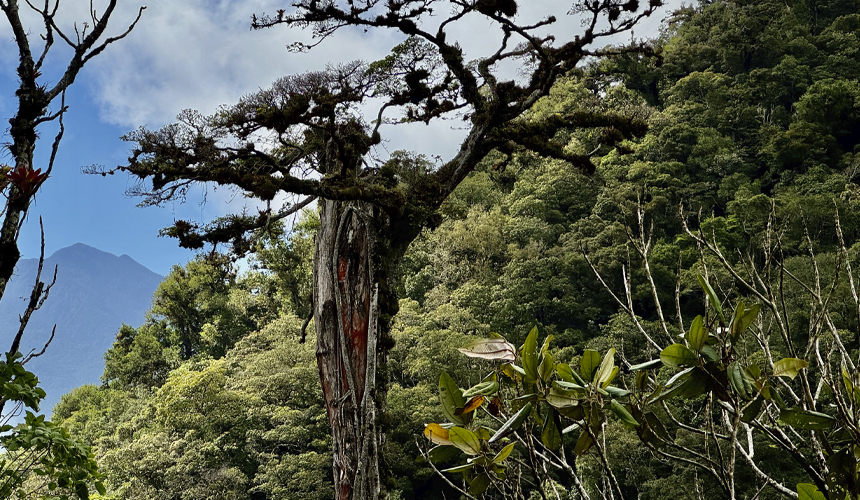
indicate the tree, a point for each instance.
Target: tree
{"x":38,"y":456}
{"x":305,"y":136}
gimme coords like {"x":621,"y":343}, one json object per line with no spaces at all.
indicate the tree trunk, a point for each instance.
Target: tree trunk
{"x":351,"y":293}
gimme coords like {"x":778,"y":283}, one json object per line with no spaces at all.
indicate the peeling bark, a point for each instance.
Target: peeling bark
{"x":346,"y":314}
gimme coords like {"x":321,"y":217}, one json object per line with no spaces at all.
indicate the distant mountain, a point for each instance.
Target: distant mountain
{"x":96,"y":292}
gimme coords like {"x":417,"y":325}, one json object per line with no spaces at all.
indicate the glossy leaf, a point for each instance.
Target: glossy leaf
{"x":483,"y":389}
{"x":806,"y":491}
{"x":712,"y":298}
{"x":503,"y":454}
{"x":607,"y":370}
{"x":513,"y":423}
{"x":565,"y":372}
{"x":698,"y":334}
{"x":621,"y":412}
{"x":530,"y":354}
{"x":806,"y":420}
{"x":491,"y":349}
{"x":442,"y":453}
{"x":678,"y":355}
{"x":741,"y":382}
{"x":451,"y":398}
{"x":742,"y":320}
{"x":583,"y":444}
{"x":546,"y":368}
{"x":460,"y":468}
{"x":479,"y":484}
{"x":550,"y":436}
{"x":589,"y":363}
{"x":560,"y":398}
{"x":788,"y":367}
{"x":465,"y":440}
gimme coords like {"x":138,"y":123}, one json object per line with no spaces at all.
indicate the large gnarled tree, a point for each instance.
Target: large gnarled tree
{"x":306,"y":136}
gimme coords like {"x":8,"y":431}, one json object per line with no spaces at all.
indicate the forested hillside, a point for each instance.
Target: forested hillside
{"x":753,"y":113}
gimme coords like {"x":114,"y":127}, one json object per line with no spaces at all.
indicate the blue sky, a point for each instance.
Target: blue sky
{"x":184,"y":54}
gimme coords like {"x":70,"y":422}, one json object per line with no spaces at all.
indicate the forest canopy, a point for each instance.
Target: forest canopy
{"x":742,"y":193}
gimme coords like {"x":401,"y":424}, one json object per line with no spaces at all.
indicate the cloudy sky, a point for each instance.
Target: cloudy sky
{"x":188,"y":54}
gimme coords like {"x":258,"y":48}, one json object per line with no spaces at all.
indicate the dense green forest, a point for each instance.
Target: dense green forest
{"x":746,"y":182}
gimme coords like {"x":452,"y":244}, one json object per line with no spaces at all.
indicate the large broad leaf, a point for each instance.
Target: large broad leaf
{"x":565,"y":372}
{"x":442,"y":453}
{"x":617,"y":392}
{"x":437,"y":434}
{"x":465,"y":439}
{"x":487,"y":388}
{"x":712,"y":298}
{"x":479,"y":484}
{"x":687,"y":384}
{"x":788,"y":367}
{"x":560,"y":398}
{"x":806,"y":491}
{"x":546,"y":341}
{"x":606,"y":371}
{"x":460,"y":468}
{"x":451,"y":398}
{"x":583,"y":444}
{"x":492,"y":349}
{"x":546,"y":368}
{"x":513,"y":423}
{"x":742,"y":320}
{"x":621,"y":412}
{"x":806,"y":420}
{"x":589,"y":363}
{"x":530,"y":354}
{"x":741,"y":382}
{"x":550,"y":436}
{"x":678,"y":355}
{"x":503,"y":454}
{"x":698,"y":334}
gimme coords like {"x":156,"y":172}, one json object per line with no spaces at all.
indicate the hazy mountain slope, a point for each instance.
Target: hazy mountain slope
{"x":95,"y":293}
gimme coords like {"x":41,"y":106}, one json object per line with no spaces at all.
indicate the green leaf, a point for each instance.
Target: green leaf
{"x":806,"y":420}
{"x":712,"y":298}
{"x":752,"y":410}
{"x":654,"y":363}
{"x":583,"y":444}
{"x":621,"y":412}
{"x":550,"y":436}
{"x":465,"y":440}
{"x":741,"y":382}
{"x":788,"y":367}
{"x":559,"y":398}
{"x":564,"y":371}
{"x":690,"y":383}
{"x":617,"y":392}
{"x":607,"y":370}
{"x":546,"y":368}
{"x":698,"y":334}
{"x":545,"y":347}
{"x":451,"y":398}
{"x":530,"y":355}
{"x":678,"y":355}
{"x":479,"y":484}
{"x":483,"y":389}
{"x":442,"y":453}
{"x":588,"y":364}
{"x":492,"y":349}
{"x":503,"y":454}
{"x":513,"y":423}
{"x":806,"y":491}
{"x":742,"y":320}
